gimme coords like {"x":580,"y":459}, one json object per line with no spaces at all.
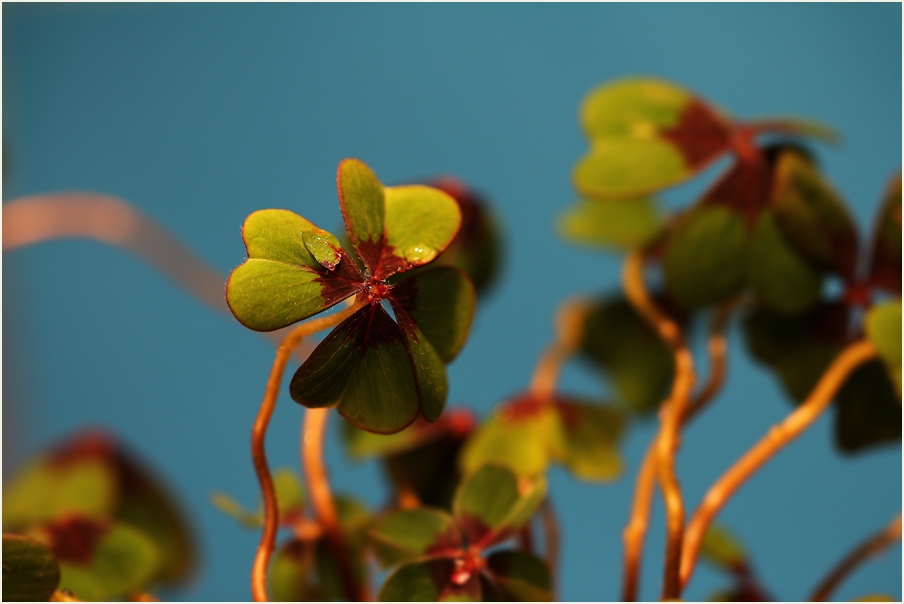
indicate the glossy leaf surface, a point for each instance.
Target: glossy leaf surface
{"x":522,"y":576}
{"x":363,"y":368}
{"x":883,"y":328}
{"x":812,"y":217}
{"x":637,"y":362}
{"x":779,"y":277}
{"x":282,"y":281}
{"x":30,"y":571}
{"x":441,"y":301}
{"x":409,"y":534}
{"x":705,"y":257}
{"x":618,"y":224}
{"x":645,"y":135}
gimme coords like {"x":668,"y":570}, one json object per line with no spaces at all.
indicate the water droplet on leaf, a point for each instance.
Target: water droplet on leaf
{"x":420,"y":253}
{"x":323,"y":246}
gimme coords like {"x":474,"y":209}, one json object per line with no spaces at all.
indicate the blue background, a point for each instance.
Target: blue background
{"x":201,"y":114}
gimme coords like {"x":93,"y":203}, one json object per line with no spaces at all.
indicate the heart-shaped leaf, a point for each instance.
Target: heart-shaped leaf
{"x":30,"y":572}
{"x":492,"y":503}
{"x":441,"y":302}
{"x":99,"y":561}
{"x":778,"y":276}
{"x":362,"y":201}
{"x":705,"y":257}
{"x":363,"y":368}
{"x":885,"y":264}
{"x":409,"y":534}
{"x":522,"y":576}
{"x":434,"y":580}
{"x":617,"y":224}
{"x":869,"y":410}
{"x":283,"y":281}
{"x":638,"y":363}
{"x":477,"y":249}
{"x":645,"y":135}
{"x":811,"y":215}
{"x":883,"y":328}
{"x":590,"y":440}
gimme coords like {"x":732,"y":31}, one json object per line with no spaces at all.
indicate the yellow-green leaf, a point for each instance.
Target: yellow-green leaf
{"x":617,"y":224}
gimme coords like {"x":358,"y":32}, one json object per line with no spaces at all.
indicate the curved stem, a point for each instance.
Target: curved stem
{"x":258,"y":453}
{"x":314,"y":430}
{"x":636,"y":530}
{"x":667,"y":441}
{"x":778,"y":436}
{"x":873,"y":546}
{"x":110,"y":220}
{"x":569,"y":327}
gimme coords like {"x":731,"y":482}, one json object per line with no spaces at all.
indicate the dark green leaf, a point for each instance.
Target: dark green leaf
{"x":436,"y":580}
{"x":645,"y":135}
{"x":636,"y":360}
{"x":883,"y":327}
{"x":705,"y":257}
{"x":779,"y":277}
{"x":590,"y":440}
{"x":119,"y":560}
{"x":885,"y":267}
{"x":477,"y":249}
{"x":722,"y":549}
{"x":618,"y":224}
{"x":522,"y":576}
{"x":289,"y":578}
{"x":441,"y":301}
{"x":492,"y":503}
{"x":420,"y":223}
{"x":429,"y":369}
{"x":869,"y":410}
{"x":409,"y":534}
{"x":30,"y":572}
{"x":812,"y":217}
{"x":282,"y":282}
{"x":362,"y":200}
{"x":363,"y":367}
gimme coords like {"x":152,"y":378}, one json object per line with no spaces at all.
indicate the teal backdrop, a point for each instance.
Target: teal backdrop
{"x":200,"y":114}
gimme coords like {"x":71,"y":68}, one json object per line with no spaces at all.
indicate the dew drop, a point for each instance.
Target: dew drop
{"x":420,"y":253}
{"x":323,"y":246}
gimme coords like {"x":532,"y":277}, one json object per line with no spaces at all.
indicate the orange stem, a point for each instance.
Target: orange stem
{"x":258,"y":453}
{"x":873,"y":546}
{"x":778,"y":436}
{"x":551,"y":537}
{"x":667,"y":441}
{"x":569,"y":327}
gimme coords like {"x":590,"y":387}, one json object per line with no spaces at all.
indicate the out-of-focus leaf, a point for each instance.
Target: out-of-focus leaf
{"x":590,"y":440}
{"x":812,"y":217}
{"x":363,"y":368}
{"x":477,"y":249}
{"x":234,"y":509}
{"x":885,"y":264}
{"x":30,"y":572}
{"x":798,"y":125}
{"x":874,"y":598}
{"x":645,"y":135}
{"x":869,"y":410}
{"x":523,"y":436}
{"x":409,"y":534}
{"x":441,"y":302}
{"x":617,"y":224}
{"x":420,"y":223}
{"x":99,"y":561}
{"x":47,"y":489}
{"x":492,"y":503}
{"x":883,"y":327}
{"x":780,"y":278}
{"x":435,"y":580}
{"x":635,"y":358}
{"x":289,"y":500}
{"x":362,"y":444}
{"x":522,"y":576}
{"x":705,"y":257}
{"x":282,"y":282}
{"x":722,"y":549}
{"x":289,"y":577}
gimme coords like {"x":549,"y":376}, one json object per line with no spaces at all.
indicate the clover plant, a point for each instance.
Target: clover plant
{"x":468,"y":496}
